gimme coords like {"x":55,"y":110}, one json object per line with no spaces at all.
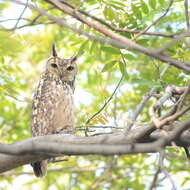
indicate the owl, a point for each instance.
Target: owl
{"x":53,"y":106}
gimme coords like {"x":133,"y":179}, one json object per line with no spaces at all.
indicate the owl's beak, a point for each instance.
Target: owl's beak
{"x":61,"y":74}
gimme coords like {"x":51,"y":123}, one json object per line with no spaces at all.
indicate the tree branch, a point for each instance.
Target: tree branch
{"x":22,"y":13}
{"x":146,"y":98}
{"x":116,"y":39}
{"x":116,"y":28}
{"x":42,"y":147}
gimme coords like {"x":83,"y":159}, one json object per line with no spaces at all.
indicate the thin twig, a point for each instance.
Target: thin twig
{"x":102,"y":108}
{"x":22,"y":13}
{"x":153,"y":183}
{"x":147,"y":96}
{"x":140,"y":107}
{"x":187,"y":14}
{"x":110,"y":98}
{"x":161,"y":123}
{"x":155,"y":178}
{"x":27,"y":25}
{"x":178,"y":38}
{"x":187,"y":152}
{"x":167,"y":174}
{"x":164,"y":71}
{"x":169,"y":92}
{"x":54,"y":160}
{"x":106,"y":103}
{"x":156,"y":21}
{"x":183,"y":97}
{"x":13,"y":19}
{"x":40,"y":15}
{"x":163,"y":169}
{"x":32,"y":22}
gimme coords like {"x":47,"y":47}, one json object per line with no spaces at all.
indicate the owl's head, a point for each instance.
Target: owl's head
{"x":65,"y":69}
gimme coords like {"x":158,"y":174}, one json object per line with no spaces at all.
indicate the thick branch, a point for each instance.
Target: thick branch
{"x":38,"y":148}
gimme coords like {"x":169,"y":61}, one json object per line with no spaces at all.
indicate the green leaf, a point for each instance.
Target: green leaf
{"x":152,"y":3}
{"x":118,"y":3}
{"x":137,"y":12}
{"x":109,"y":13}
{"x":144,"y":7}
{"x":2,"y":60}
{"x":111,"y":50}
{"x":4,"y":5}
{"x":122,"y":68}
{"x":10,"y":45}
{"x":143,"y":42}
{"x":108,"y":66}
{"x":129,"y":56}
{"x":83,"y":47}
{"x":93,"y":46}
{"x":162,"y":2}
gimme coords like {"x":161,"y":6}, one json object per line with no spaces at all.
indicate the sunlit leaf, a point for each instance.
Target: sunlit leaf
{"x":152,"y":3}
{"x":108,"y":66}
{"x":110,"y":50}
{"x":83,"y":47}
{"x":144,"y":7}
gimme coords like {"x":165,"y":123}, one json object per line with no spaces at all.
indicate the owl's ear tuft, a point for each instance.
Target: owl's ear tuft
{"x":54,"y":53}
{"x":74,"y":58}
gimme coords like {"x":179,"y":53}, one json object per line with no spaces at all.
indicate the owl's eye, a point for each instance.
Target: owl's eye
{"x":54,"y":65}
{"x":70,"y":68}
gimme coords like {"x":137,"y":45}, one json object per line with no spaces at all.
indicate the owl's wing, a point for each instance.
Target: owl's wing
{"x":44,"y":105}
{"x":52,"y":109}
{"x":41,"y":120}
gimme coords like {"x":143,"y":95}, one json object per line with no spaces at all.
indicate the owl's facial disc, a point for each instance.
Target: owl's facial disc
{"x":65,"y":69}
{"x":68,"y":72}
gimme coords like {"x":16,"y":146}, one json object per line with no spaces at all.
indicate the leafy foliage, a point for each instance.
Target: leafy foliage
{"x":22,"y":56}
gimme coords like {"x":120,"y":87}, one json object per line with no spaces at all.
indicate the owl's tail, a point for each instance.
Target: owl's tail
{"x":40,"y":168}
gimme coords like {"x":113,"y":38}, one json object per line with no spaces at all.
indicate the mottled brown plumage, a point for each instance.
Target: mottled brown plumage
{"x":53,"y":106}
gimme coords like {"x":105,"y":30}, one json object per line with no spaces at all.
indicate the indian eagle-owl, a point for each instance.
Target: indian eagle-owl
{"x":53,"y":106}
